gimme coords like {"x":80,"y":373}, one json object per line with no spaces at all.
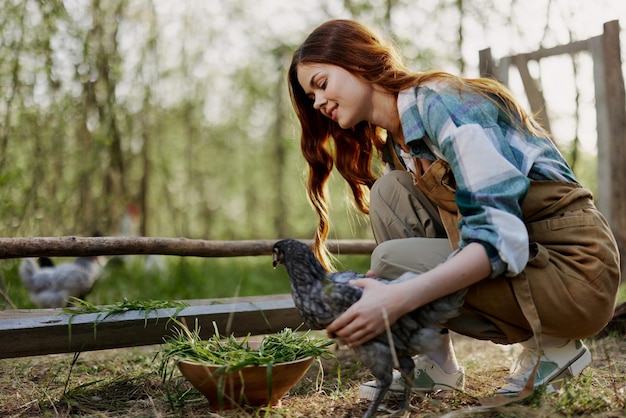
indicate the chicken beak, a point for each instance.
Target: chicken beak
{"x":275,"y":260}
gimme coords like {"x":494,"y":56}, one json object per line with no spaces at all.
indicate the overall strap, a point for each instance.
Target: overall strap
{"x":437,"y":182}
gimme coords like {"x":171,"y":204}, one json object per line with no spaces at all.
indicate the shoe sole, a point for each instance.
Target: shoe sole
{"x":369,"y":392}
{"x":571,"y":369}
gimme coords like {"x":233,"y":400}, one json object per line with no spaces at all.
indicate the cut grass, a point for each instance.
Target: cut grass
{"x":80,"y":306}
{"x":230,"y":355}
{"x":234,"y":354}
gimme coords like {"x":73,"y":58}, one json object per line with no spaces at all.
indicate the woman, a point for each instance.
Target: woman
{"x":474,"y":195}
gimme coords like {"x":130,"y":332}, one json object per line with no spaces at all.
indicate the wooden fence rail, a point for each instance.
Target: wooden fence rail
{"x":30,"y":332}
{"x":88,"y":246}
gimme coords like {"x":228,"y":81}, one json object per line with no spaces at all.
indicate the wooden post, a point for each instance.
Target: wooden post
{"x":486,"y":66}
{"x":611,"y":121}
{"x":533,"y":92}
{"x":489,"y":68}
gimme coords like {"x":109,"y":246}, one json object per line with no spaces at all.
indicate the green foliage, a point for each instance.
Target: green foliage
{"x":585,"y":167}
{"x":104,"y":106}
{"x":191,"y":278}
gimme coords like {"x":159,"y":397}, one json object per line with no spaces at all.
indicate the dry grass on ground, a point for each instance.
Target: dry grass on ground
{"x":124,"y":383}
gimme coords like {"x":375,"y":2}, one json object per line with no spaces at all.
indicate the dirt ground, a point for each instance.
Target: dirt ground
{"x":125,"y":383}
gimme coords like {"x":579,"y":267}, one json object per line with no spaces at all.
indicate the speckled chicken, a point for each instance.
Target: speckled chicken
{"x":51,"y":286}
{"x":320,"y":297}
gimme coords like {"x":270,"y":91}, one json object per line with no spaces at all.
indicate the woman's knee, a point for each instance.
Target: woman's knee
{"x":398,"y":209}
{"x":390,"y":259}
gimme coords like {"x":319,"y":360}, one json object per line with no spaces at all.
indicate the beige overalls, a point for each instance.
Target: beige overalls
{"x":568,"y":287}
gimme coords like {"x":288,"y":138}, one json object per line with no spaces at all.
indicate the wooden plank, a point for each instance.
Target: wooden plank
{"x":571,"y":48}
{"x":533,"y":92}
{"x":46,"y":331}
{"x":89,"y":246}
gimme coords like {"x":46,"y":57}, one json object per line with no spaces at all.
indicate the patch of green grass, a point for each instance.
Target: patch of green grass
{"x":190,"y":278}
{"x":579,"y":397}
{"x":178,"y":278}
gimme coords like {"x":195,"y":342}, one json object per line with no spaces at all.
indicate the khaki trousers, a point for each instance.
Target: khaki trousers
{"x":573,"y":271}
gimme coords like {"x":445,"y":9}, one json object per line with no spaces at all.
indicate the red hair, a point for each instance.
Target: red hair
{"x":360,"y":51}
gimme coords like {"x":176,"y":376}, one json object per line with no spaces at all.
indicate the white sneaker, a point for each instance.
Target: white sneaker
{"x":429,"y":377}
{"x":557,"y":364}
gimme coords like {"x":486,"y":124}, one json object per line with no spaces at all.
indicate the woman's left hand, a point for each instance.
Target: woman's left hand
{"x":365,"y":319}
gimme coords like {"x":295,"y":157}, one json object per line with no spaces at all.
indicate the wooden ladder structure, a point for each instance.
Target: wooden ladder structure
{"x":610,"y":113}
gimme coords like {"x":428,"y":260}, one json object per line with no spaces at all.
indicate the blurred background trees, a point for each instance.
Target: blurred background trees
{"x":176,"y":114}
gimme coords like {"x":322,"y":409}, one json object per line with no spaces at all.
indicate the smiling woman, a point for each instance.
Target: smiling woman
{"x":339,"y":95}
{"x":475,"y":196}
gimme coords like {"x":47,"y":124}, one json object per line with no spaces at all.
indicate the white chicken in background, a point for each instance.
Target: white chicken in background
{"x":51,"y":286}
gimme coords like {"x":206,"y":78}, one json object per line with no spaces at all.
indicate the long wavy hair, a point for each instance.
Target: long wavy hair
{"x":357,"y":49}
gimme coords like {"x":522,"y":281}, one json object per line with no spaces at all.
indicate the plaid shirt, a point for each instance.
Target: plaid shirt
{"x":492,"y":162}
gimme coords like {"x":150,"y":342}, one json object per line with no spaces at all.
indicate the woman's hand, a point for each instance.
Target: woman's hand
{"x":365,"y":319}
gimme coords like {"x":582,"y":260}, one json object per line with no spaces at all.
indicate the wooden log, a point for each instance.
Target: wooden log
{"x":47,"y":331}
{"x":88,"y":246}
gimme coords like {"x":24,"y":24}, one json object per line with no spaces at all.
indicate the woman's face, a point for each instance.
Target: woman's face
{"x":337,"y":93}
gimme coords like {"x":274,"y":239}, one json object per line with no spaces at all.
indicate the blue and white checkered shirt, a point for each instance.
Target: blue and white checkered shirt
{"x":492,"y":162}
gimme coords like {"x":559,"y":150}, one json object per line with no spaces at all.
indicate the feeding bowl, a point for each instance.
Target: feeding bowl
{"x":248,"y":386}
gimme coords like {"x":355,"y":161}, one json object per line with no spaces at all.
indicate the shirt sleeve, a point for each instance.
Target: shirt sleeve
{"x":490,"y":188}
